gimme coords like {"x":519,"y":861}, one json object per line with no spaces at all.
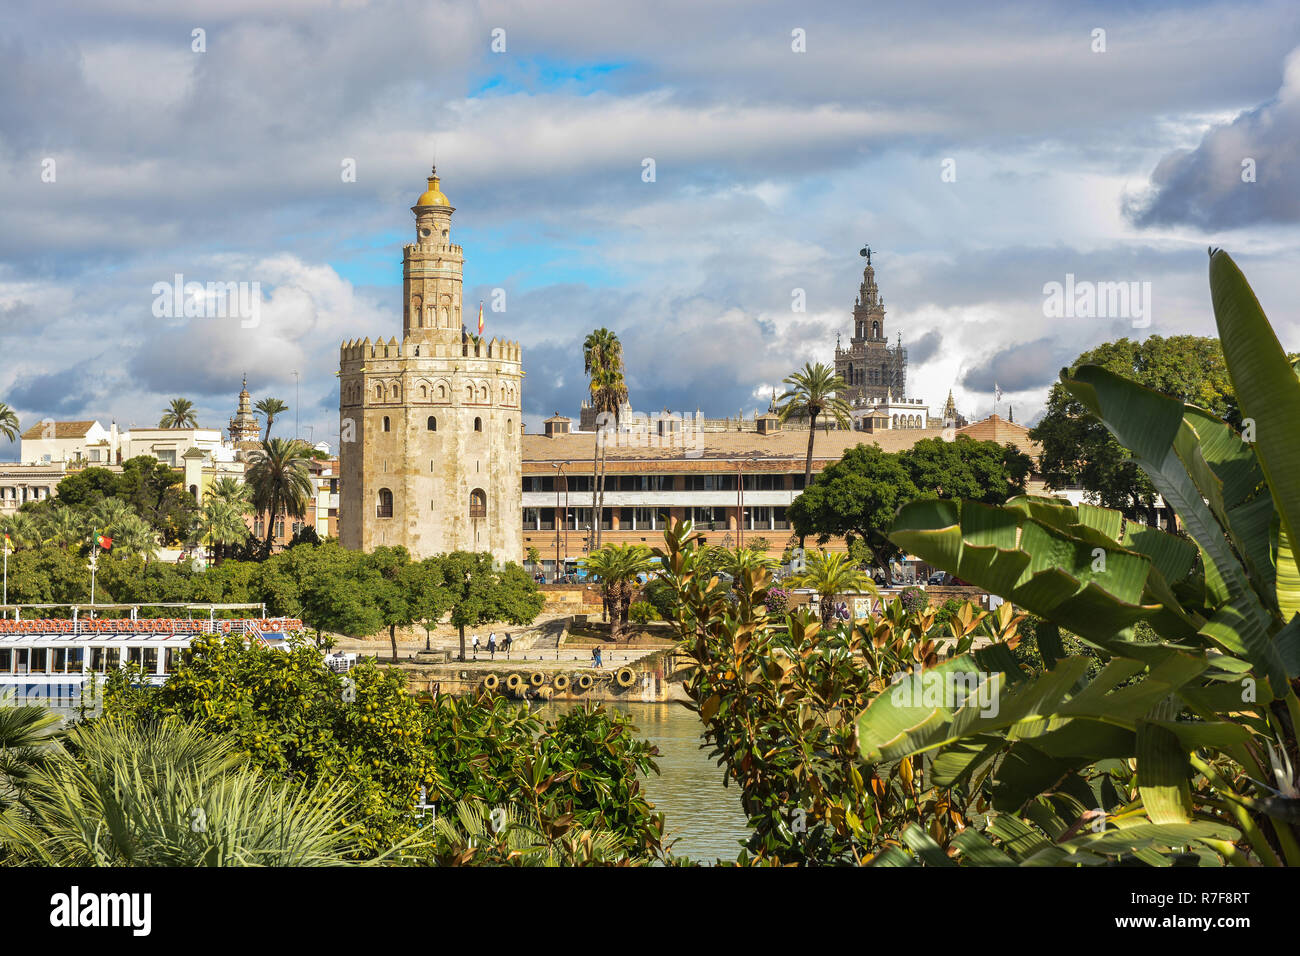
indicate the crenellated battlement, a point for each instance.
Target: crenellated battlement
{"x":359,"y":350}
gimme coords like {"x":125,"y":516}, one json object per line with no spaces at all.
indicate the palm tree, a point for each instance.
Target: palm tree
{"x":230,"y":491}
{"x":169,"y":793}
{"x":829,"y":575}
{"x":280,"y":481}
{"x":814,"y":391}
{"x":133,"y":535}
{"x":220,"y":525}
{"x":24,"y":530}
{"x":602,"y":359}
{"x":25,"y":735}
{"x":8,"y":422}
{"x":110,"y":512}
{"x":270,"y":407}
{"x":179,"y":414}
{"x":617,"y":567}
{"x":64,"y":527}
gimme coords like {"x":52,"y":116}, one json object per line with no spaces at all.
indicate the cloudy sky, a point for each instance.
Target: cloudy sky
{"x":982,"y":153}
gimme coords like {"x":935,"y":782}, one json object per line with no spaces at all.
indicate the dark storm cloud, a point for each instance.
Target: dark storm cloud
{"x":56,"y":393}
{"x":923,"y":349}
{"x":1241,"y":173}
{"x":1019,"y":368}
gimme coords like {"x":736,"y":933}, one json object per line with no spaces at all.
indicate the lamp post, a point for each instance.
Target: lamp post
{"x":558,"y":475}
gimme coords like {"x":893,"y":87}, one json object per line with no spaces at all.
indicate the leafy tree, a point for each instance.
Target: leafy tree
{"x":89,"y":487}
{"x":966,"y":468}
{"x":179,"y":414}
{"x":393,"y":596}
{"x":48,"y":575}
{"x":856,"y":497}
{"x":813,"y":392}
{"x":280,"y":481}
{"x":296,"y":720}
{"x":155,"y":490}
{"x":271,"y":408}
{"x":773,"y":694}
{"x":602,"y":361}
{"x":1078,"y":450}
{"x":480,"y":594}
{"x":427,"y":593}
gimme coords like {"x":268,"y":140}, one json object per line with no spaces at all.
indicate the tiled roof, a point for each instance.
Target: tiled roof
{"x":782,"y":445}
{"x":1003,"y":432}
{"x":61,"y":430}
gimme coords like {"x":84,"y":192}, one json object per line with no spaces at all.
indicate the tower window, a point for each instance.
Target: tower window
{"x":432,"y":424}
{"x":875,"y":330}
{"x":386,"y":428}
{"x":384,"y":508}
{"x":478,"y":424}
{"x":477,"y":503}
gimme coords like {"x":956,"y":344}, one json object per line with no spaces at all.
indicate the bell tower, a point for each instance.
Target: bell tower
{"x":432,"y":271}
{"x":869,"y":309}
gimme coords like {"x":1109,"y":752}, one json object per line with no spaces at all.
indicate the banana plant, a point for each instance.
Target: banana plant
{"x":1182,"y":744}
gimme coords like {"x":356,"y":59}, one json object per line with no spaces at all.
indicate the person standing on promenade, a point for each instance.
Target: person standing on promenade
{"x":506,"y":641}
{"x":475,"y":647}
{"x":492,"y":645}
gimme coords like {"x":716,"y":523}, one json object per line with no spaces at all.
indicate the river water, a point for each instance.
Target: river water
{"x":702,"y":819}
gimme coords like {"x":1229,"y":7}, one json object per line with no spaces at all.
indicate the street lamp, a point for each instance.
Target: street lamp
{"x":559,"y":466}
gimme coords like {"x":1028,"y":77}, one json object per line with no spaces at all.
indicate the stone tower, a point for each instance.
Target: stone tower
{"x":870,"y":367}
{"x":245,"y":432}
{"x":430,"y":426}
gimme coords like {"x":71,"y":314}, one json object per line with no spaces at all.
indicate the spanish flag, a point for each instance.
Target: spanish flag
{"x":480,"y":316}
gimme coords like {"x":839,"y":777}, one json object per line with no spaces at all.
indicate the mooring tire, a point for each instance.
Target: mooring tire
{"x":625,"y":677}
{"x":561,"y":682}
{"x":537,"y":678}
{"x":585,"y":681}
{"x":491,"y":682}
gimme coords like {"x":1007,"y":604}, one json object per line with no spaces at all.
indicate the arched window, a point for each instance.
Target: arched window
{"x":850,"y":375}
{"x":477,"y":503}
{"x":379,"y":392}
{"x":510,"y":426}
{"x":385,"y":423}
{"x":875,"y":330}
{"x":384,"y":508}
{"x":432,"y":424}
{"x":478,"y":424}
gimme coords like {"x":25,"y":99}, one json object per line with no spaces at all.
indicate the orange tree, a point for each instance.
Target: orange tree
{"x":296,"y":719}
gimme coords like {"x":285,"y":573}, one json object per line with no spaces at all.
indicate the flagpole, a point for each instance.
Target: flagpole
{"x":94,"y":563}
{"x":5,"y":602}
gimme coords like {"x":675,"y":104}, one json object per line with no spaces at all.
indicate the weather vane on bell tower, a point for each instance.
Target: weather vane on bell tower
{"x":866,"y":252}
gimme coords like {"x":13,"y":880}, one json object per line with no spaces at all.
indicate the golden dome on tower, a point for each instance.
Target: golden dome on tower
{"x":433,"y":196}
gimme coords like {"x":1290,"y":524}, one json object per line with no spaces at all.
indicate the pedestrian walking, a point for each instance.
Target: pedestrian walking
{"x":475,"y":647}
{"x":595,"y":656}
{"x":506,"y":641}
{"x":492,"y":645}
